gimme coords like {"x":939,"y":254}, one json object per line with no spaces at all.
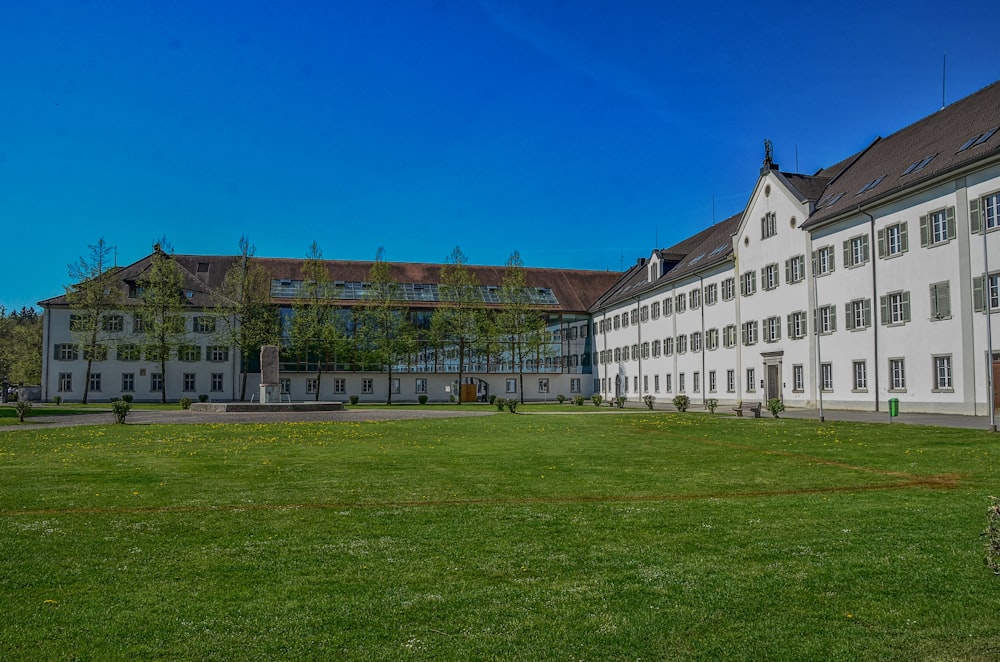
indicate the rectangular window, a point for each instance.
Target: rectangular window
{"x":769,"y":278}
{"x":798,"y":378}
{"x":941,"y":300}
{"x":189,"y":381}
{"x":129,"y":352}
{"x":367,"y":385}
{"x":729,"y":336}
{"x":696,"y":382}
{"x":95,"y":381}
{"x":340,"y":385}
{"x":285,"y":385}
{"x":65,"y":352}
{"x":897,"y":375}
{"x":860,"y":376}
{"x":728,"y":289}
{"x":826,"y":376}
{"x":696,"y":341}
{"x":768,"y":225}
{"x":682,"y":344}
{"x":668,"y":346}
{"x":189,"y":353}
{"x":979,"y":301}
{"x":204,"y":325}
{"x":748,"y":283}
{"x":128,"y":382}
{"x":751,"y":381}
{"x":312,"y":385}
{"x":680,"y":302}
{"x":668,"y":307}
{"x":892,"y":240}
{"x":645,"y":383}
{"x":155,"y":382}
{"x":394,"y":386}
{"x":114,"y":323}
{"x":644,"y":314}
{"x":668,"y":383}
{"x":635,"y":352}
{"x":654,"y":310}
{"x":635,"y":317}
{"x":942,"y":373}
{"x":795,"y":269}
{"x":711,"y":381}
{"x":937,"y":227}
{"x":543,"y":385}
{"x":694,"y":298}
{"x":137,"y":324}
{"x":712,"y":339}
{"x":895,"y":308}
{"x":826,"y":319}
{"x":574,"y":385}
{"x":97,"y":353}
{"x":65,"y":382}
{"x":656,"y":383}
{"x":772,"y":329}
{"x":711,"y":294}
{"x":420,"y":385}
{"x":76,"y":322}
{"x":656,"y":349}
{"x":512,"y":386}
{"x":858,"y":314}
{"x":823,"y":261}
{"x":989,"y":208}
{"x":797,"y":325}
{"x":217,"y":382}
{"x":680,"y":383}
{"x":856,"y":251}
{"x":645,"y":350}
{"x":218,"y":354}
{"x":750,"y":332}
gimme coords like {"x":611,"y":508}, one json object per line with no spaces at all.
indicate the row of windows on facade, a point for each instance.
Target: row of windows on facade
{"x":941,"y":366}
{"x":133,"y":352}
{"x":189,"y":382}
{"x":936,"y":228}
{"x":419,"y":386}
{"x":115,"y":323}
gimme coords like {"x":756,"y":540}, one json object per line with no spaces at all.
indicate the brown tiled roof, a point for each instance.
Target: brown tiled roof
{"x":938,"y":138}
{"x":574,"y":289}
{"x":697,"y":254}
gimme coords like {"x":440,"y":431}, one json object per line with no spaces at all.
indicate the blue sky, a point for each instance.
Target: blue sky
{"x":582,"y":133}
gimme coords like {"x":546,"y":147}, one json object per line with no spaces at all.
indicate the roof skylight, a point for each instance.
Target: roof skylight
{"x":978,"y":140}
{"x":870,"y":185}
{"x":831,"y":199}
{"x":919,"y":165}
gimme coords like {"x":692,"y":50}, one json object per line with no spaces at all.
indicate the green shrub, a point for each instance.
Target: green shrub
{"x":649,"y":400}
{"x":775,"y":406}
{"x":596,"y":399}
{"x":185,"y":403}
{"x":512,"y":405}
{"x":120,"y":408}
{"x":127,"y":398}
{"x":711,"y":405}
{"x":202,"y":397}
{"x":578,"y":400}
{"x":354,"y":399}
{"x":22,"y":408}
{"x":561,"y":398}
{"x":500,"y":404}
{"x":682,"y":402}
{"x":620,"y":401}
{"x":422,"y":399}
{"x":57,"y":400}
{"x":492,"y":398}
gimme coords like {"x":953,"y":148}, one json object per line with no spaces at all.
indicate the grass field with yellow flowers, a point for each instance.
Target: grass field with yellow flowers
{"x":632,"y":535}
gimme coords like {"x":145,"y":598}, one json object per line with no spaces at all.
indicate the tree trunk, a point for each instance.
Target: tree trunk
{"x":86,"y":381}
{"x":163,"y":380}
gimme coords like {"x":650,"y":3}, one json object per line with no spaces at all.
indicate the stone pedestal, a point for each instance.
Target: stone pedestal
{"x":270,"y":390}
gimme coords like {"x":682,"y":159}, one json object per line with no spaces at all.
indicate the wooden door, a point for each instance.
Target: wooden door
{"x":468,"y":392}
{"x":773,"y":382}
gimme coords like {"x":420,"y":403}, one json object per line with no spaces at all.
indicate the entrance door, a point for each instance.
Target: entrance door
{"x":996,"y":385}
{"x":773,"y":381}
{"x":468,"y":393}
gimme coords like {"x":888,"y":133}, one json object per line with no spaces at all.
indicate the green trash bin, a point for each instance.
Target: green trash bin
{"x":893,"y":407}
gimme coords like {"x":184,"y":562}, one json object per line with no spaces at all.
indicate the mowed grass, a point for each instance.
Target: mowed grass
{"x":635,"y":535}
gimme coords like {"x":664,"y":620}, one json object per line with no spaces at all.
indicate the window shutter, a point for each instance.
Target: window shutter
{"x":949,"y":217}
{"x":866,"y":306}
{"x":815,"y":262}
{"x":944,"y":299}
{"x":777,"y":329}
{"x":847,"y":254}
{"x":978,"y":296}
{"x":849,"y":316}
{"x":904,"y":242}
{"x":923,"y":230}
{"x":744,"y":335}
{"x":865,"y":248}
{"x":881,"y":243}
{"x":833,"y":259}
{"x":884,"y":306}
{"x":791,"y":325}
{"x":975,"y":225}
{"x":788,"y":270}
{"x":833,"y":318}
{"x":904,"y":302}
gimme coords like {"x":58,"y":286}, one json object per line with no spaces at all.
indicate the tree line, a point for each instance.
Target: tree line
{"x":21,"y":345}
{"x":375,"y":333}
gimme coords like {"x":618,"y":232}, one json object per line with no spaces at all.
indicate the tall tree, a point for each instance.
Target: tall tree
{"x":93,"y":297}
{"x":247,"y":320}
{"x":21,"y":346}
{"x":161,"y":308}
{"x":519,"y":324}
{"x":460,"y":318}
{"x":315,"y":333}
{"x":384,"y":330}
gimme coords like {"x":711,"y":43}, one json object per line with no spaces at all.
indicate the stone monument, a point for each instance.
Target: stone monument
{"x":270,"y":389}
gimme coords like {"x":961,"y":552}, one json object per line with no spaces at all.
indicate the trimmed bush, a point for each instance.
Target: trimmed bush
{"x":711,"y":405}
{"x":500,"y":404}
{"x":422,"y":399}
{"x":596,"y":399}
{"x":620,"y":401}
{"x":578,"y":400}
{"x":512,"y":405}
{"x":120,"y":408}
{"x":492,"y":398}
{"x":682,"y":402}
{"x":354,"y":399}
{"x":775,"y":406}
{"x":185,"y":403}
{"x":649,"y":400}
{"x":202,"y":397}
{"x":57,"y":399}
{"x":561,"y":398}
{"x":127,"y":398}
{"x":22,"y":408}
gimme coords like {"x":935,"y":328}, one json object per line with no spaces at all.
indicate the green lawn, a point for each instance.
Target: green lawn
{"x":623,"y":536}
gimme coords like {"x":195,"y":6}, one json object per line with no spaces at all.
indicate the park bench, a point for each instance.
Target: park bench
{"x":753,"y":407}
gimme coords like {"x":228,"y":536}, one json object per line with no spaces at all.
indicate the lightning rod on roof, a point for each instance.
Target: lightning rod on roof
{"x":944,"y":73}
